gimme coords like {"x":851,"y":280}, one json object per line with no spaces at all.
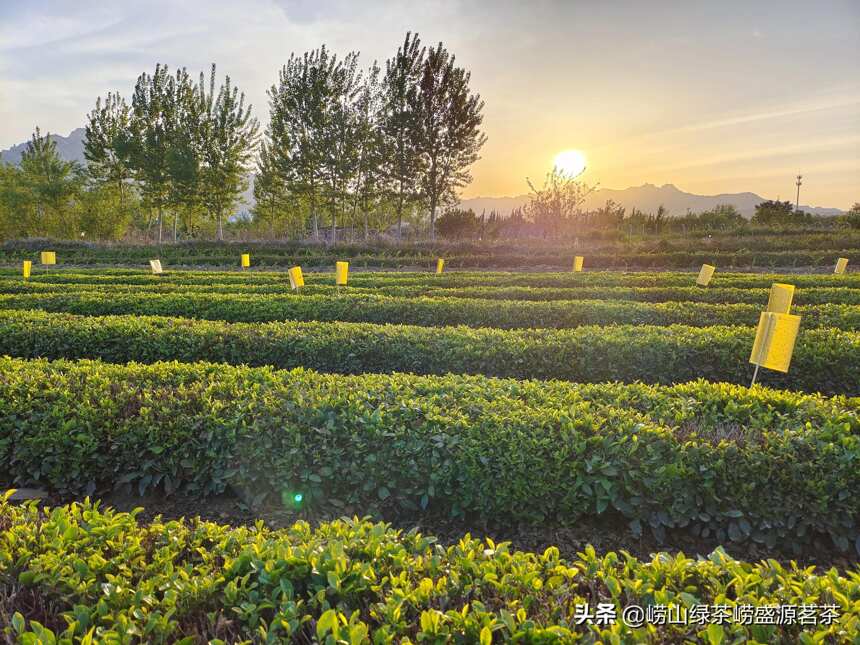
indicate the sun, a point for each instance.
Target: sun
{"x":570,"y":162}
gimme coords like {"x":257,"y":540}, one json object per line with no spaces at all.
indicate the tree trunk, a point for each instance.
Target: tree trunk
{"x":160,"y":220}
{"x":220,"y":228}
{"x":366,"y":224}
{"x":433,"y":218}
{"x":175,"y":224}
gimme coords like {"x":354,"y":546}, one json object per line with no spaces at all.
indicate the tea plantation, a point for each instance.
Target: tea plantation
{"x":475,"y":399}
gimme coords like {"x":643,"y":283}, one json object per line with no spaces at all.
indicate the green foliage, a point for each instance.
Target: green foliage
{"x":776,"y":213}
{"x":449,"y":135}
{"x":457,"y":223}
{"x":435,"y":312}
{"x":755,"y":464}
{"x":355,"y":582}
{"x":489,"y":282}
{"x":728,"y":254}
{"x":824,"y":360}
{"x":321,"y":285}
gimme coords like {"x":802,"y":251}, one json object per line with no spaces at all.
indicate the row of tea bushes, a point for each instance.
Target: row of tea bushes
{"x":449,"y":279}
{"x":754,"y":464}
{"x":825,"y":360}
{"x":434,"y":312}
{"x":728,"y":295}
{"x":351,"y":581}
{"x":556,"y":258}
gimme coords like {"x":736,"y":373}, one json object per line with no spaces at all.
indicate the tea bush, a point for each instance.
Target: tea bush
{"x":362,"y":307}
{"x":716,"y":459}
{"x":824,"y":360}
{"x":351,"y":581}
{"x":460,"y":279}
{"x":728,"y":295}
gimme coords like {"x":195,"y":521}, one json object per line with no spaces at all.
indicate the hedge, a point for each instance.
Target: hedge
{"x":505,"y":314}
{"x":458,"y":279}
{"x":519,"y":255}
{"x":729,"y":295}
{"x":718,"y":460}
{"x":110,"y":579}
{"x":824,"y":360}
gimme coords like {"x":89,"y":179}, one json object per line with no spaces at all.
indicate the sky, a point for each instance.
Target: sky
{"x":714,"y":97}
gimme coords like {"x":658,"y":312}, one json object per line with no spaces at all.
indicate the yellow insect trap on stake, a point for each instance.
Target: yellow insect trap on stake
{"x":341,"y":273}
{"x":774,"y":342}
{"x":780,"y":298}
{"x":296,"y":278}
{"x":155,"y":265}
{"x":48,"y":257}
{"x":440,"y":266}
{"x":577,"y":263}
{"x":705,"y":275}
{"x":841,"y":265}
{"x":26,"y":268}
{"x":246,"y":260}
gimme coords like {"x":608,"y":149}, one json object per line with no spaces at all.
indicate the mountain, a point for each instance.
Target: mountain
{"x":647,"y":197}
{"x":70,"y":148}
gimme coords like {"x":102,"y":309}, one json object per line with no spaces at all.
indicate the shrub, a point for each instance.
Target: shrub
{"x":433,"y":312}
{"x":716,"y":459}
{"x":356,"y":582}
{"x":824,"y":360}
{"x":719,"y":295}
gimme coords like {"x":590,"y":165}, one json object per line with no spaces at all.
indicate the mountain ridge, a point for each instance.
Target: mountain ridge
{"x":647,"y":198}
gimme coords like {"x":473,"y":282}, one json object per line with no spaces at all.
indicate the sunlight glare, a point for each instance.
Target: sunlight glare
{"x":570,"y":163}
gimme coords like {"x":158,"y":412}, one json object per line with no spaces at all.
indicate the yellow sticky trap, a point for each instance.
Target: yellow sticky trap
{"x":774,"y":341}
{"x":577,"y":263}
{"x":440,"y":265}
{"x":705,"y":275}
{"x":246,"y":260}
{"x":780,"y":298}
{"x":48,"y":257}
{"x":156,"y":266}
{"x":841,"y":265}
{"x":341,"y":273}
{"x":26,"y":267}
{"x":296,"y":278}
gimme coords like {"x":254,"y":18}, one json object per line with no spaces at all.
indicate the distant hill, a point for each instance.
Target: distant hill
{"x":647,"y":197}
{"x":70,"y":148}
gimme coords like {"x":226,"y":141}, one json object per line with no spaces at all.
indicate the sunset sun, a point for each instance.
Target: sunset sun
{"x":570,"y":162}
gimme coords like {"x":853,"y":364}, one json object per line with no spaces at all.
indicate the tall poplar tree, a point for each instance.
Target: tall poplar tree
{"x":448,"y":131}
{"x":150,"y":128}
{"x":299,"y":110}
{"x":400,"y":124}
{"x":228,"y":140}
{"x":106,"y":144}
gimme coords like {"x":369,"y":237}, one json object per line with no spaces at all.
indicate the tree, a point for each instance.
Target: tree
{"x":776,"y":213}
{"x":852,"y":217}
{"x":51,"y":186}
{"x":458,"y":223}
{"x":557,"y":203}
{"x":448,"y":130}
{"x":400,"y":124}
{"x":150,"y":138}
{"x":339,"y":145}
{"x":107,"y":144}
{"x":299,"y":109}
{"x":270,"y":194}
{"x":370,"y":146}
{"x":228,"y":137}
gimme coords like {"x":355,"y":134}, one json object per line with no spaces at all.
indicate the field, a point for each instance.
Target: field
{"x":569,"y":425}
